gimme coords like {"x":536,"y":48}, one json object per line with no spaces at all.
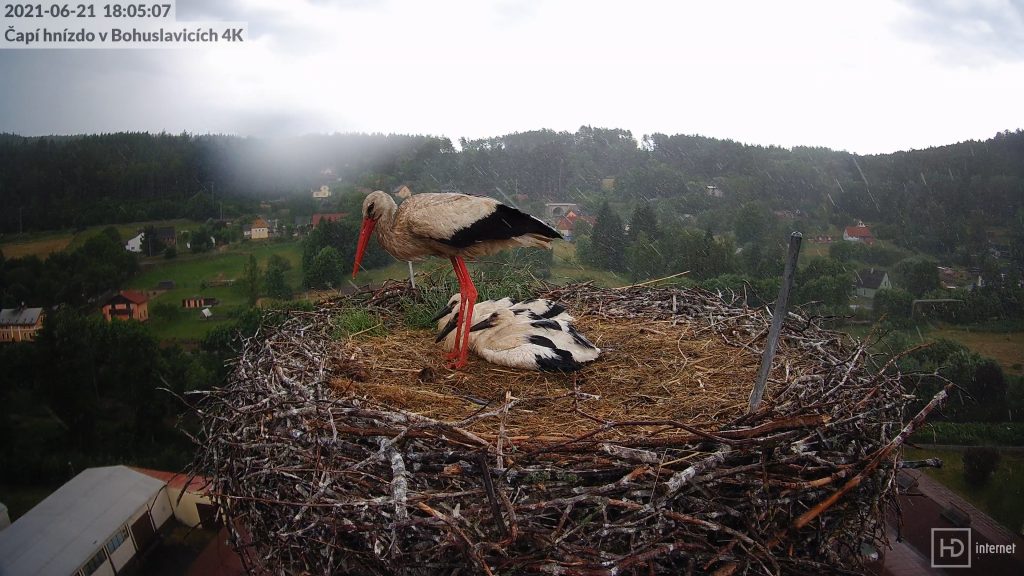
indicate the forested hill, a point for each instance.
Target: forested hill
{"x":933,"y":199}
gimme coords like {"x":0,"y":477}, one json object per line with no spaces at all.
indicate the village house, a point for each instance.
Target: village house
{"x":566,"y":225}
{"x":869,"y":281}
{"x":259,"y":230}
{"x":101,"y":521}
{"x":127,"y":305}
{"x":553,"y":210}
{"x":134,"y":244}
{"x":166,"y":235}
{"x":20,"y":324}
{"x":323,"y":193}
{"x":858,"y":233}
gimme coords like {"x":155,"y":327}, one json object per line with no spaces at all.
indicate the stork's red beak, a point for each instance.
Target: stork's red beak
{"x":364,"y":239}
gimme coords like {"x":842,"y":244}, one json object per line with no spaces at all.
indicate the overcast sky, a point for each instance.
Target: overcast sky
{"x":866,"y":76}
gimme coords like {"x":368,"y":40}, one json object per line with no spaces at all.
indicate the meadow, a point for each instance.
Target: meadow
{"x":1002,"y":497}
{"x":192,"y":274}
{"x":42,"y":244}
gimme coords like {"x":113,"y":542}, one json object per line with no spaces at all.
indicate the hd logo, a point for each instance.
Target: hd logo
{"x":951,"y":548}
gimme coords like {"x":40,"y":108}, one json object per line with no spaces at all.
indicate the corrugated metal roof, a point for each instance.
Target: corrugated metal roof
{"x":19,"y":316}
{"x":63,"y":531}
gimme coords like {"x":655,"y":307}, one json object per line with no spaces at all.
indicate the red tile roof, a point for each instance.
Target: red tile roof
{"x":176,"y":479}
{"x":135,"y":296}
{"x":858,"y":232}
{"x":329,"y":216}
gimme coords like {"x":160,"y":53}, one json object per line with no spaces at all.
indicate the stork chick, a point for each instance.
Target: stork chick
{"x":547,"y":345}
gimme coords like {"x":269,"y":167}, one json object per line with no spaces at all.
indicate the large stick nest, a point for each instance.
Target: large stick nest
{"x":367,"y":456}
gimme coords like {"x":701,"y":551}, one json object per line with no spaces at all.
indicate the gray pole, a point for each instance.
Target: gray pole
{"x":778,"y":316}
{"x":412,"y":276}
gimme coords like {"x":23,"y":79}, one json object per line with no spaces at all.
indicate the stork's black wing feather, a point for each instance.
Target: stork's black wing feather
{"x":504,"y":223}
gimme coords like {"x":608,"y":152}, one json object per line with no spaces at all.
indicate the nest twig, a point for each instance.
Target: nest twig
{"x":368,"y":457}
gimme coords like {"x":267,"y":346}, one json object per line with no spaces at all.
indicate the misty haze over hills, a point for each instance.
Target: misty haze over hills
{"x":66,"y":181}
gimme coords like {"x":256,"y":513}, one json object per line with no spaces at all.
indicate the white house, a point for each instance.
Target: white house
{"x":135,"y":244}
{"x":323,"y":192}
{"x":93,"y":525}
{"x":868,"y":282}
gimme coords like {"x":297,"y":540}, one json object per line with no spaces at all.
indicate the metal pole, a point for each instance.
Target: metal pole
{"x":778,"y":316}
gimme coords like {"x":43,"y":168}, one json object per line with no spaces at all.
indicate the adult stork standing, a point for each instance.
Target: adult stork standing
{"x":454,"y":225}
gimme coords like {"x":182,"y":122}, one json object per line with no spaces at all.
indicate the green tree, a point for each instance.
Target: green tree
{"x":917,"y":275}
{"x":274,"y":280}
{"x":151,"y":245}
{"x":251,"y":280}
{"x":643,"y":258}
{"x":327,"y":270}
{"x":200,"y":240}
{"x":826,"y":281}
{"x":753,"y":222}
{"x":608,"y":242}
{"x":980,"y":462}
{"x":894,"y":305}
{"x":643,"y":221}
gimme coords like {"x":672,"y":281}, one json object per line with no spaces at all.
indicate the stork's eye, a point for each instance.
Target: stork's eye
{"x":369,"y":211}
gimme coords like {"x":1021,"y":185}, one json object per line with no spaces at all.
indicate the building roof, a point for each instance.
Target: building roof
{"x":329,"y":216}
{"x":177,"y":480}
{"x":870,"y":278}
{"x":132,"y":296}
{"x":858,"y":232}
{"x":922,"y":501}
{"x":163,"y":232}
{"x":259,"y":223}
{"x":20,"y":316}
{"x":63,"y":531}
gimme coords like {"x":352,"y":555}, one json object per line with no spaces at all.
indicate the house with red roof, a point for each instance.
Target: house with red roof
{"x":858,"y":233}
{"x":566,"y":225}
{"x":127,"y":305}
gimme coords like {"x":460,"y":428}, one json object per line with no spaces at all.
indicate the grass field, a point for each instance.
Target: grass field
{"x":1007,"y":348}
{"x":38,"y":245}
{"x":42,"y":244}
{"x":1002,"y":497}
{"x":189,"y":273}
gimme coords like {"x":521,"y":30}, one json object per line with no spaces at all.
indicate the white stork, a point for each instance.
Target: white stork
{"x":454,"y":225}
{"x":505,"y":335}
{"x":548,"y":345}
{"x":532,"y":309}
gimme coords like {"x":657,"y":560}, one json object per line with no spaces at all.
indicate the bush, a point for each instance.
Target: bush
{"x":170,"y":252}
{"x":165,"y":311}
{"x":971,"y":433}
{"x":980,"y":462}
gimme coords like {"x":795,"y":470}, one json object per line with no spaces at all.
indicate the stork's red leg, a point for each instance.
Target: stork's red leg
{"x":457,"y":345}
{"x":468,"y":300}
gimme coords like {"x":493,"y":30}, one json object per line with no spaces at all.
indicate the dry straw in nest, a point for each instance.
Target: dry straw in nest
{"x":368,"y":456}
